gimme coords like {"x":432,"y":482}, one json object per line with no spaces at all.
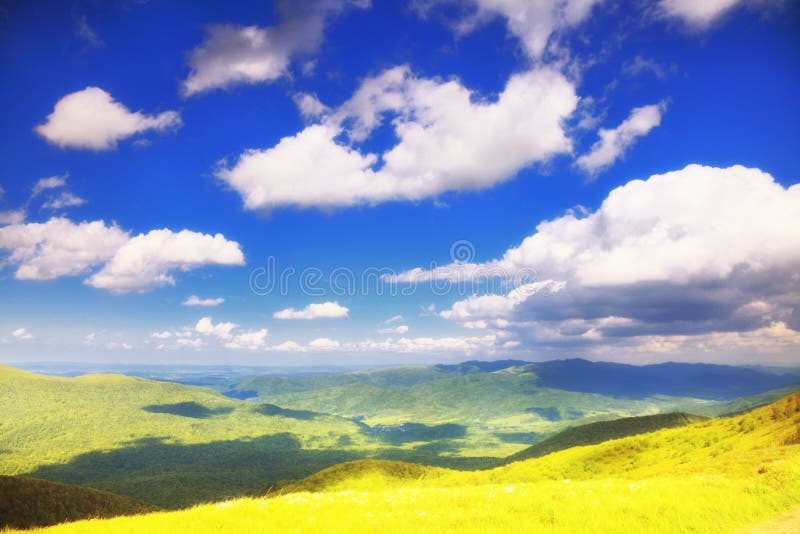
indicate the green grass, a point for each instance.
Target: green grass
{"x":715,"y":476}
{"x":29,"y":502}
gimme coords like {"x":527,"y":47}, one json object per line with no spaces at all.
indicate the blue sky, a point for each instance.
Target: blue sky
{"x":624,"y":173}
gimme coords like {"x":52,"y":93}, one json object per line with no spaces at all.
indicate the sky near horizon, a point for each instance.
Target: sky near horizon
{"x":356,"y":182}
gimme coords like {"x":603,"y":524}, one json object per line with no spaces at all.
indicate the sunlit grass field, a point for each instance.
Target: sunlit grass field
{"x":714,"y":476}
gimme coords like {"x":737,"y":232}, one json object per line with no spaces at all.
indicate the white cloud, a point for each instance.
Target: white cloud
{"x":324,"y":343}
{"x":699,"y":221}
{"x":51,"y":182}
{"x":64,"y":200}
{"x":231,"y":335}
{"x":234,"y":54}
{"x":194,"y":300}
{"x":615,"y":141}
{"x":498,"y":306}
{"x":532,"y":22}
{"x":249,"y":340}
{"x":12,"y":216}
{"x":695,"y":252}
{"x":446,"y":345}
{"x":92,"y":119}
{"x":697,"y":14}
{"x":22,"y":333}
{"x":396,"y":330}
{"x":166,"y":334}
{"x":221,"y":330}
{"x":486,"y":344}
{"x":309,"y":105}
{"x":324,"y":310}
{"x":448,"y":139}
{"x":394,"y":319}
{"x":145,"y":261}
{"x":59,"y":247}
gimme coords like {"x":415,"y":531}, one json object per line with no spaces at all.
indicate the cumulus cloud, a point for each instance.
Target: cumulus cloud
{"x":231,"y":335}
{"x":22,"y":334}
{"x":533,"y":23}
{"x":61,"y":247}
{"x":194,"y":300}
{"x":324,"y":310}
{"x":234,"y":54}
{"x":248,"y":340}
{"x":448,"y":139}
{"x":146,"y":261}
{"x":615,"y":141}
{"x":692,"y":252}
{"x":92,"y":119}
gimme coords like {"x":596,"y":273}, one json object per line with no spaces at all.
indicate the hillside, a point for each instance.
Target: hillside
{"x":166,"y":444}
{"x":28,"y":502}
{"x":593,"y":433}
{"x":719,"y":475}
{"x":172,"y":445}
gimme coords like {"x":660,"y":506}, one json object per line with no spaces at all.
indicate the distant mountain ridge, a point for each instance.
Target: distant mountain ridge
{"x":697,"y":380}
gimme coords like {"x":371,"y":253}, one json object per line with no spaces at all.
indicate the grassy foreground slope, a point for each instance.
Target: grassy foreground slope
{"x":714,"y":476}
{"x":29,"y":502}
{"x":163,"y":443}
{"x":593,"y":433}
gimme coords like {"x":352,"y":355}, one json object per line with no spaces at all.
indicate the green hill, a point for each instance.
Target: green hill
{"x":718,"y":475}
{"x":173,"y":445}
{"x":593,"y":433}
{"x":163,"y":443}
{"x":29,"y":502}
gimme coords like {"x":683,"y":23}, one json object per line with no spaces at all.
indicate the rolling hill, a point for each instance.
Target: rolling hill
{"x":173,"y":445}
{"x":29,"y":502}
{"x":718,"y":475}
{"x":593,"y":433}
{"x":166,"y":444}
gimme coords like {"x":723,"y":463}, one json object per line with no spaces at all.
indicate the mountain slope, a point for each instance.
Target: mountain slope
{"x":29,"y":502}
{"x":163,"y":443}
{"x":719,"y":475}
